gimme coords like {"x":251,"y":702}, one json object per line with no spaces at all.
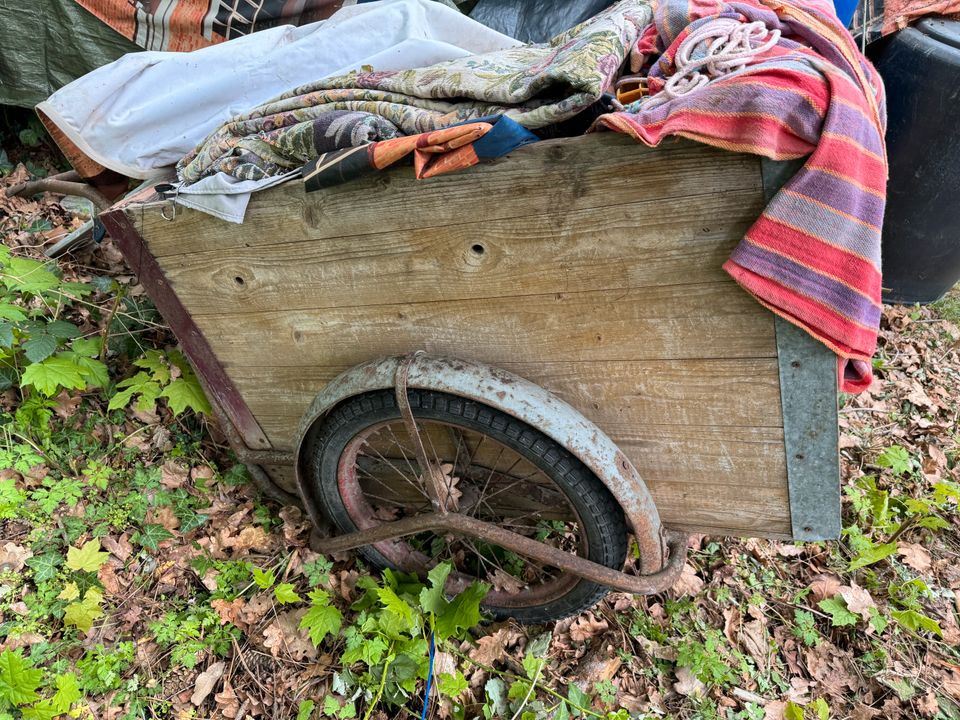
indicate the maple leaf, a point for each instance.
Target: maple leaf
{"x":185,"y":392}
{"x":52,"y":374}
{"x":284,"y":593}
{"x":88,"y":557}
{"x":322,"y":618}
{"x":82,"y":614}
{"x":18,"y":680}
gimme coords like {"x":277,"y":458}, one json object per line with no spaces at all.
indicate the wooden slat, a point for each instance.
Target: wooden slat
{"x":689,"y":321}
{"x":731,"y":480}
{"x":550,"y":177}
{"x":680,"y":241}
{"x":742,"y":392}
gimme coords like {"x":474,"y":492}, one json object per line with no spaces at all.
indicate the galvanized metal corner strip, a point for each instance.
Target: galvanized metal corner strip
{"x":808,"y":395}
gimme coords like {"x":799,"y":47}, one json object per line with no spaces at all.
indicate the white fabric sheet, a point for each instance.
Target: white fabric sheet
{"x":147,"y":110}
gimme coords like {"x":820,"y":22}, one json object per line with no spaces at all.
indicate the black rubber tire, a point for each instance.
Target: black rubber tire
{"x":601,"y":517}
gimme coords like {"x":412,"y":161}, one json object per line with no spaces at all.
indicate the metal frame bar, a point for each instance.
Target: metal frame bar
{"x":464,"y":525}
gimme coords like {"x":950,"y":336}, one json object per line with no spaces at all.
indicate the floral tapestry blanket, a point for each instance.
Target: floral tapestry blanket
{"x":535,"y":86}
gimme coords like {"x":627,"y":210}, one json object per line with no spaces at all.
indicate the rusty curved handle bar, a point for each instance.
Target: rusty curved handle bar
{"x":464,"y":525}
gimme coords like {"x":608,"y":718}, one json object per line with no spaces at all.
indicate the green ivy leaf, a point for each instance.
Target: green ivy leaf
{"x":51,"y":375}
{"x":579,"y":699}
{"x":185,"y":392}
{"x":285,"y":594}
{"x":837,"y":609}
{"x":40,"y":347}
{"x":151,"y":535}
{"x":87,"y":558}
{"x":915,"y":621}
{"x":18,"y":679}
{"x":45,"y":566}
{"x":322,"y":618}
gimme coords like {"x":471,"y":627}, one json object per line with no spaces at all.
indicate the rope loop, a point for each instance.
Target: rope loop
{"x":715,"y":49}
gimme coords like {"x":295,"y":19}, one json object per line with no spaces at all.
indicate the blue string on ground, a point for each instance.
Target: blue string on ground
{"x":426,"y":692}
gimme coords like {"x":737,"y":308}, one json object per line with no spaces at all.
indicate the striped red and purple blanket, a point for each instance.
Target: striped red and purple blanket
{"x":783,"y":80}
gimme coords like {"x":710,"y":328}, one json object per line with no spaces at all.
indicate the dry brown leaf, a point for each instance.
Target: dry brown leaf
{"x":229,"y":612}
{"x":489,"y":649}
{"x":824,"y":586}
{"x":689,"y":583}
{"x":731,"y":623}
{"x":227,"y":701}
{"x":284,"y":636}
{"x":206,"y":681}
{"x":687,"y":683}
{"x":914,"y":555}
{"x":863,"y":712}
{"x":928,"y":706}
{"x":951,"y":684}
{"x":587,"y":626}
{"x":13,"y":557}
{"x":774,"y":710}
{"x":504,"y":581}
{"x":789,"y":551}
{"x":250,"y":538}
{"x":857,"y":599}
{"x":753,"y":636}
{"x":120,"y":548}
{"x":173,"y":474}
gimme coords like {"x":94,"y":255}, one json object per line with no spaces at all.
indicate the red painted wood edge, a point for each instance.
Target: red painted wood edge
{"x":195,"y":346}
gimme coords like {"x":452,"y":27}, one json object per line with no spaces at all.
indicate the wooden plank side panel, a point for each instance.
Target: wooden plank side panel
{"x":679,"y":241}
{"x":550,"y":177}
{"x":742,"y":393}
{"x":689,"y":321}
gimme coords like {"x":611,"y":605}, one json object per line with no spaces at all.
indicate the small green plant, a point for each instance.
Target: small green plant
{"x":163,"y":375}
{"x":38,"y":349}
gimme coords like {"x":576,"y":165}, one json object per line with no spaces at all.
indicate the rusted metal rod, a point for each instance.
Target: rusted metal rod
{"x":62,"y":187}
{"x":464,"y":525}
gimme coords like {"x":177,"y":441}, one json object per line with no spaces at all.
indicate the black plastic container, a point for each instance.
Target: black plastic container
{"x":920,"y":66}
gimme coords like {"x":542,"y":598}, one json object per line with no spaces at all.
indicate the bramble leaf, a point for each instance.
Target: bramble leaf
{"x":837,"y":609}
{"x":39,"y":347}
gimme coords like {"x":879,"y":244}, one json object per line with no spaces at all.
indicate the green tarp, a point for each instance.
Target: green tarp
{"x":45,"y":44}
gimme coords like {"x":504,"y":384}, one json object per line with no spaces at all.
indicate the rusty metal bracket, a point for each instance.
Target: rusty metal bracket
{"x":432,"y":478}
{"x":541,"y":552}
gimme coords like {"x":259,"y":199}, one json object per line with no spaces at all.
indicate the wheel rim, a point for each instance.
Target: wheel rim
{"x":379,"y":479}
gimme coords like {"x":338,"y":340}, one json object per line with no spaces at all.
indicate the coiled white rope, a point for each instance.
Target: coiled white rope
{"x":731,"y":45}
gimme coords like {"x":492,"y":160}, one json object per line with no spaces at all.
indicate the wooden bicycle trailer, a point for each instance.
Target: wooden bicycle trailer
{"x":574,"y":286}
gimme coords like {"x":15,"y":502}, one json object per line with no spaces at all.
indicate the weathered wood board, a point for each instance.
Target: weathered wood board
{"x":590,"y":266}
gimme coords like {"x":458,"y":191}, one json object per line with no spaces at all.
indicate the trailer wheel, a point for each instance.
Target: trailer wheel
{"x":363,"y":472}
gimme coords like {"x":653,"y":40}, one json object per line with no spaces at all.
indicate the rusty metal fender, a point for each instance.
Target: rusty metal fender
{"x":523,"y":400}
